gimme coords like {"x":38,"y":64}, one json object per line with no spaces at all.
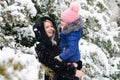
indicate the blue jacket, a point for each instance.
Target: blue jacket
{"x":69,"y":45}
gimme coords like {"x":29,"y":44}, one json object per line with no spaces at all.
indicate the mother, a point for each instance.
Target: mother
{"x":47,"y":48}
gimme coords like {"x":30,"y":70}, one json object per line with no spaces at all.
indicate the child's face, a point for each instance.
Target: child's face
{"x":49,"y":28}
{"x":63,"y":23}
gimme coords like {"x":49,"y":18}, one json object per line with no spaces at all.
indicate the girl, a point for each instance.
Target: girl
{"x":70,"y":34}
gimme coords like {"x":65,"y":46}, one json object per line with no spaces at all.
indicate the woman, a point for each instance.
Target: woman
{"x":47,"y":48}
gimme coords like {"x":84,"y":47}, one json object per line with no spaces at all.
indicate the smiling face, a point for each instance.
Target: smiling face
{"x":48,"y":26}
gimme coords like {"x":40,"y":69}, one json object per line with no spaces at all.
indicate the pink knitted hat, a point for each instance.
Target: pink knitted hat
{"x":71,"y":14}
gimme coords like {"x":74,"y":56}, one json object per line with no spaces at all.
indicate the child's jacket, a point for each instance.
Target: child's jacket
{"x":69,"y":42}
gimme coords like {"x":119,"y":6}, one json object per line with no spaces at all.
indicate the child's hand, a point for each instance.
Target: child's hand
{"x":79,"y":73}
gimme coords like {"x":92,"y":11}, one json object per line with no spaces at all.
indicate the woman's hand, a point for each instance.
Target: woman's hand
{"x":79,"y":73}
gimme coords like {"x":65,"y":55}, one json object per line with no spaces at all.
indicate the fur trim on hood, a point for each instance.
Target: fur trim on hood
{"x":74,"y":26}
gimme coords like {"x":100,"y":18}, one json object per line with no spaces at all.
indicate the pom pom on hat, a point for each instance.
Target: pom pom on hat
{"x":71,"y":14}
{"x":75,"y":7}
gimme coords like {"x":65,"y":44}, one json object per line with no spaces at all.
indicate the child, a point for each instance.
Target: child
{"x":71,"y":32}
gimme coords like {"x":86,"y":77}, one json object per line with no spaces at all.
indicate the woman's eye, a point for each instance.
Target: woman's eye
{"x":47,"y":26}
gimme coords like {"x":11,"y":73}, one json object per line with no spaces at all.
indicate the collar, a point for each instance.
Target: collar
{"x":74,"y":26}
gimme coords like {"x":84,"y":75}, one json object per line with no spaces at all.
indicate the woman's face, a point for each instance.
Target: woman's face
{"x":49,"y":28}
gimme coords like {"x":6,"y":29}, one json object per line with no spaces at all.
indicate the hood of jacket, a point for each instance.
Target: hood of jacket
{"x":40,"y":33}
{"x":74,"y":26}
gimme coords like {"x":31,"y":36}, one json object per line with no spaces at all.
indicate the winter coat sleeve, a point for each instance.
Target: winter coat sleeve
{"x":72,"y":41}
{"x":54,"y":64}
{"x":63,"y":42}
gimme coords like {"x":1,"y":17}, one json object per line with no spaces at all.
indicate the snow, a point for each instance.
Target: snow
{"x":94,"y":50}
{"x":4,"y":56}
{"x":29,"y":65}
{"x":29,"y":5}
{"x":1,"y":19}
